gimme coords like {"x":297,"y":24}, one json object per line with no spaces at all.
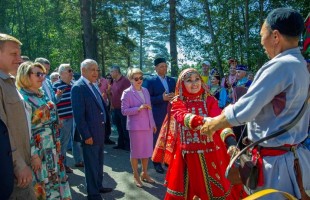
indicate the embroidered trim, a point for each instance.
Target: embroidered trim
{"x":180,"y":194}
{"x":225,"y":133}
{"x":188,"y":120}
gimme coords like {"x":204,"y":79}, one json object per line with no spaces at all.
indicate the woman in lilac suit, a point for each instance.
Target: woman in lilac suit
{"x":136,"y":105}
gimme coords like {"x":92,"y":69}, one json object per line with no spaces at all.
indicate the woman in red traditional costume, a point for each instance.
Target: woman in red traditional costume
{"x":197,"y":163}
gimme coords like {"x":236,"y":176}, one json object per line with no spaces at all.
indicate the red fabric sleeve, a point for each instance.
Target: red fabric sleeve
{"x":213,"y":107}
{"x":179,"y":111}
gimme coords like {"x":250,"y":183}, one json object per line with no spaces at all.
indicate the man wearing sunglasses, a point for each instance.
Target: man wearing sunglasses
{"x":64,"y":108}
{"x":14,"y":130}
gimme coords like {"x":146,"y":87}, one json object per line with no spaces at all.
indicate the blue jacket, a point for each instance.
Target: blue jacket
{"x":6,"y":166}
{"x":156,"y":90}
{"x":87,"y":112}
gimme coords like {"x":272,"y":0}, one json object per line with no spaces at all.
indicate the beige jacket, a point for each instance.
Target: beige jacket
{"x":13,"y":114}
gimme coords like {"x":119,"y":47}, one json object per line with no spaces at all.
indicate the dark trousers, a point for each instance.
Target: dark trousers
{"x":155,"y":137}
{"x":119,"y":121}
{"x":108,"y":125}
{"x":93,"y":161}
{"x":6,"y":166}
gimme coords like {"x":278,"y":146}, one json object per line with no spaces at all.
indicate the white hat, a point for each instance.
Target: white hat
{"x":206,"y":63}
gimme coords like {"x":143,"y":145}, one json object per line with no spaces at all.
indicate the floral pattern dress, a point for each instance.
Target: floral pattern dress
{"x":50,"y":182}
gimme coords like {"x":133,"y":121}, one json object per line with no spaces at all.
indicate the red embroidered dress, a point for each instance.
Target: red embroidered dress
{"x":196,"y":163}
{"x":199,"y":164}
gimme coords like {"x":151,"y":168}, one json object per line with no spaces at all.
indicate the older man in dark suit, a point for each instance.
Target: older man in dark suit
{"x":161,"y":89}
{"x":90,"y":116}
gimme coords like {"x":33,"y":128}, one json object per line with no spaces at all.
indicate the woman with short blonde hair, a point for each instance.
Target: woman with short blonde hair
{"x":24,"y":72}
{"x":136,"y":105}
{"x":49,"y":176}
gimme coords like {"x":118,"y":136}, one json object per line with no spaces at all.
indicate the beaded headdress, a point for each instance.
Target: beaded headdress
{"x":180,"y":90}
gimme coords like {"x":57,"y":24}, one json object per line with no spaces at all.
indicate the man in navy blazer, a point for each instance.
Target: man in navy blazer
{"x":90,"y":116}
{"x":161,"y":89}
{"x":6,"y":166}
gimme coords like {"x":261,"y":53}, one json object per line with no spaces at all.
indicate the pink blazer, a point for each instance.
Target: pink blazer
{"x":131,"y":101}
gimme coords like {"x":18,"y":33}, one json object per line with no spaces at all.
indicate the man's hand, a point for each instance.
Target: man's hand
{"x":205,"y":129}
{"x":59,"y":93}
{"x":24,"y":177}
{"x":89,"y":141}
{"x":213,"y":124}
{"x":233,"y":151}
{"x":168,"y":96}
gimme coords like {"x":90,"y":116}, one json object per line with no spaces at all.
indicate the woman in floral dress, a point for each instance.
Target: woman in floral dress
{"x":49,"y":177}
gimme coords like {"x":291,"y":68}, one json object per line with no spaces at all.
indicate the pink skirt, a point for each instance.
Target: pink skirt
{"x":141,"y":143}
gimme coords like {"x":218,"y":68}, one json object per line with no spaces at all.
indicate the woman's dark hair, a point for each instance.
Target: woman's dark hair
{"x":217,"y":76}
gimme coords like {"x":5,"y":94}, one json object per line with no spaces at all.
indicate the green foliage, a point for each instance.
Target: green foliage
{"x":134,"y":32}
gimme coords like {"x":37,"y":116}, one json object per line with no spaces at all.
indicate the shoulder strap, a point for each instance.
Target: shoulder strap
{"x":282,"y":130}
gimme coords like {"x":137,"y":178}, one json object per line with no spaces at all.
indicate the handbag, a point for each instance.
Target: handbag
{"x":247,"y":172}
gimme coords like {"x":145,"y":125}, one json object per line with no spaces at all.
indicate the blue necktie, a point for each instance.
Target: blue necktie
{"x":99,"y":99}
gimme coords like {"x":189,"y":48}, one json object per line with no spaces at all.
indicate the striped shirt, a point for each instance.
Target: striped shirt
{"x":64,"y":107}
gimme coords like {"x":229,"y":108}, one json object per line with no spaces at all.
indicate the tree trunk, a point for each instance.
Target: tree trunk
{"x":103,"y":56}
{"x":261,"y":21}
{"x":213,"y":38}
{"x":89,"y":35}
{"x":141,"y":37}
{"x":94,"y":31}
{"x":173,"y":38}
{"x":247,"y":42}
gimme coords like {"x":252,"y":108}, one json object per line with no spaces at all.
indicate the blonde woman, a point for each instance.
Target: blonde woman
{"x":136,"y":105}
{"x":49,"y":176}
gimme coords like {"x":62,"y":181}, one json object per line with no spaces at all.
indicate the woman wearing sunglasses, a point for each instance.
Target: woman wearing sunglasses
{"x":49,"y":176}
{"x":136,"y":105}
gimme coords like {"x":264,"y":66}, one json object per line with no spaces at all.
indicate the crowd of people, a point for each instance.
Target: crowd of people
{"x":194,"y":125}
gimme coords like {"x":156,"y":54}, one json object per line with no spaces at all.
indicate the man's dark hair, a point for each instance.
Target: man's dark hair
{"x":286,"y":20}
{"x":116,"y":67}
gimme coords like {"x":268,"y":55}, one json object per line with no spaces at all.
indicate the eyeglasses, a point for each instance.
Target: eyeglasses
{"x":138,"y":78}
{"x":39,"y":74}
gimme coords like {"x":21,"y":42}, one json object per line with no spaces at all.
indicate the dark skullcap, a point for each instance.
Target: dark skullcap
{"x":159,"y":60}
{"x":242,"y":67}
{"x":286,"y":20}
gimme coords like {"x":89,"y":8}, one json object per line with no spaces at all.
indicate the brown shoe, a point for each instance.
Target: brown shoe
{"x":68,"y":169}
{"x":80,"y":164}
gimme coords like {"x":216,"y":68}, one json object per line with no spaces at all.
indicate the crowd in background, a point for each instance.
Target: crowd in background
{"x":56,"y":113}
